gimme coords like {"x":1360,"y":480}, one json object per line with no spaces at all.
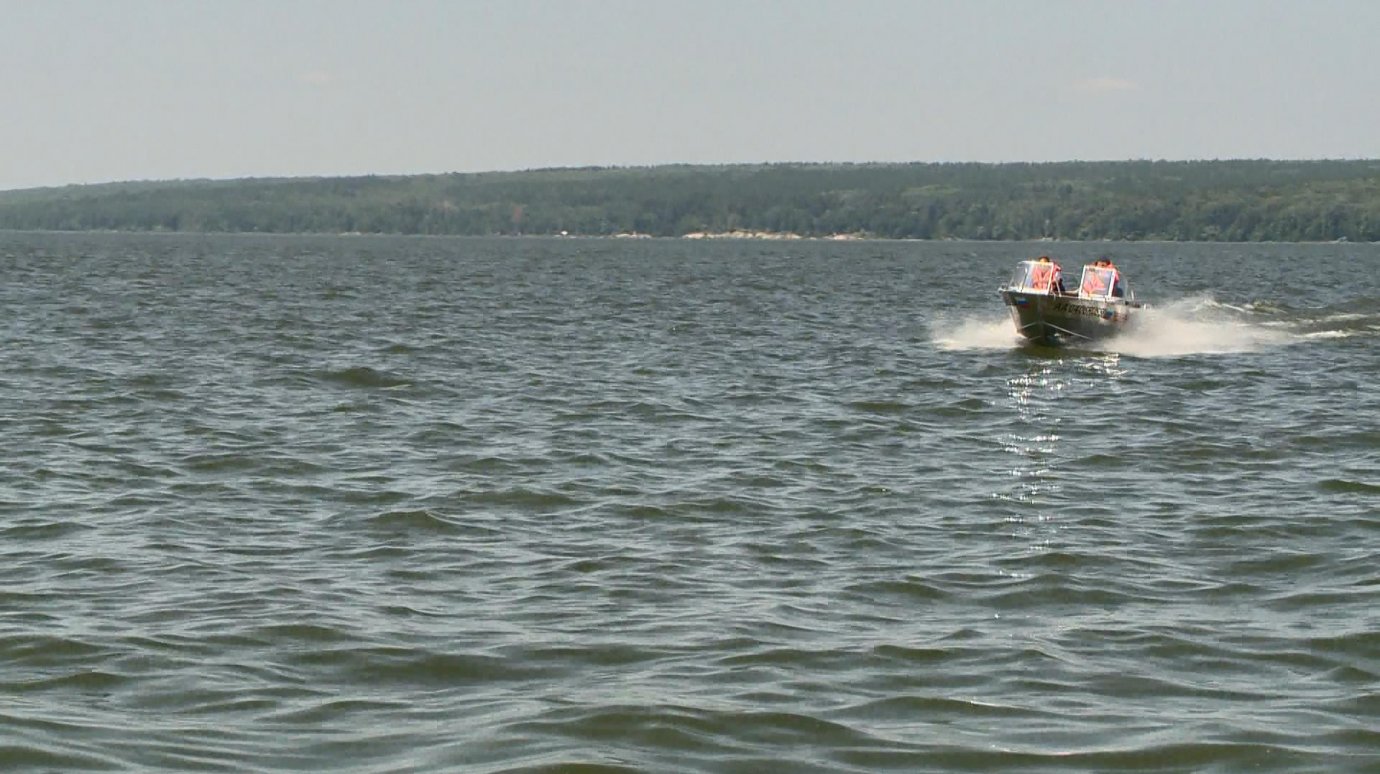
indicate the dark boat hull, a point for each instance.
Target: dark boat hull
{"x":1059,"y":319}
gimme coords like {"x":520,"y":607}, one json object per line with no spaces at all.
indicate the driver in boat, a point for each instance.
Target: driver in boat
{"x":1047,"y":276}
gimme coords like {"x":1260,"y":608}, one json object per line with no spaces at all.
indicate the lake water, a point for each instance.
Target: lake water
{"x":483,"y":505}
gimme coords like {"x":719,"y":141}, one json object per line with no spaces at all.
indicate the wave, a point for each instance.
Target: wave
{"x":1344,"y":322}
{"x":364,"y":377}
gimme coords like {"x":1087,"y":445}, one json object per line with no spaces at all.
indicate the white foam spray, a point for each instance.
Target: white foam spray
{"x":976,"y":333}
{"x":1188,"y":326}
{"x":1191,"y":326}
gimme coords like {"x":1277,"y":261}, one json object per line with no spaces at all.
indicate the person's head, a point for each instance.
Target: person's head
{"x":1043,"y":259}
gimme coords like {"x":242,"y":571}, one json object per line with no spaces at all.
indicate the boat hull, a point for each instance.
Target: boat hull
{"x":1059,"y":319}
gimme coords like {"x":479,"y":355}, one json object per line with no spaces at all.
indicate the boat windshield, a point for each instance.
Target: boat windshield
{"x":1101,"y":282}
{"x":1033,"y":276}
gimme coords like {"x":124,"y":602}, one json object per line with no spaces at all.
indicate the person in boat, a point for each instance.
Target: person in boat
{"x":1095,"y":285}
{"x":1047,"y":275}
{"x":1118,"y":291}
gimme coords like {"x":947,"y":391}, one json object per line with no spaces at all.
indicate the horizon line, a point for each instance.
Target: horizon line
{"x":7,"y":188}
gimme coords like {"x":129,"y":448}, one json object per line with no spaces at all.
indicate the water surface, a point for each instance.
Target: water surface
{"x":407,"y":504}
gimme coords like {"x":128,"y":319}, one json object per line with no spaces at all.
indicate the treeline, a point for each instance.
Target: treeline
{"x":1250,"y":200}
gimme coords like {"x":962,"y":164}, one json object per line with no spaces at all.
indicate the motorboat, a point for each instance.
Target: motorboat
{"x":1101,"y":305}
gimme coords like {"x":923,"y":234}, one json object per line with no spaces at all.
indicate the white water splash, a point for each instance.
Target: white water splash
{"x":1188,"y":326}
{"x":1335,"y":334}
{"x":976,"y":333}
{"x":1194,"y":325}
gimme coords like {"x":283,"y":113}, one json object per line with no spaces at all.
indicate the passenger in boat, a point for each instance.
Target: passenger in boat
{"x":1047,"y":275}
{"x":1118,"y":291}
{"x":1094,"y":284}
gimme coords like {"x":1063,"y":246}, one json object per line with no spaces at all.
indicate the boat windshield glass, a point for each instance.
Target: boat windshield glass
{"x":1033,"y":276}
{"x":1100,"y":282}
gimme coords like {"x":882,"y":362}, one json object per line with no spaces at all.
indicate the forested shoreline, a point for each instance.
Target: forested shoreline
{"x":1240,"y":201}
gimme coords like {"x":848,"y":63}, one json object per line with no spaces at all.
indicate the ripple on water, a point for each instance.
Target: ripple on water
{"x":383,"y":504}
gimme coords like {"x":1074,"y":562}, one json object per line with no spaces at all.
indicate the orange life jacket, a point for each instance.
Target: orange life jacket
{"x":1041,"y":274}
{"x":1093,"y":284}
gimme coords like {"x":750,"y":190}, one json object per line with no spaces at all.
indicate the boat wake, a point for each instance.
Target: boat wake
{"x":1359,"y":318}
{"x":1196,"y":325}
{"x":1192,"y":325}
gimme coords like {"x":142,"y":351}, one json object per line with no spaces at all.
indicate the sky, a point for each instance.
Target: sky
{"x":106,"y":90}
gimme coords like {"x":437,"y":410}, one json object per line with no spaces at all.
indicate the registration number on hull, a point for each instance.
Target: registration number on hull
{"x":1075,"y":309}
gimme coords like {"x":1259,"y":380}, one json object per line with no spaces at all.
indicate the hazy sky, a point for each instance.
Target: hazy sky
{"x":99,"y":90}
